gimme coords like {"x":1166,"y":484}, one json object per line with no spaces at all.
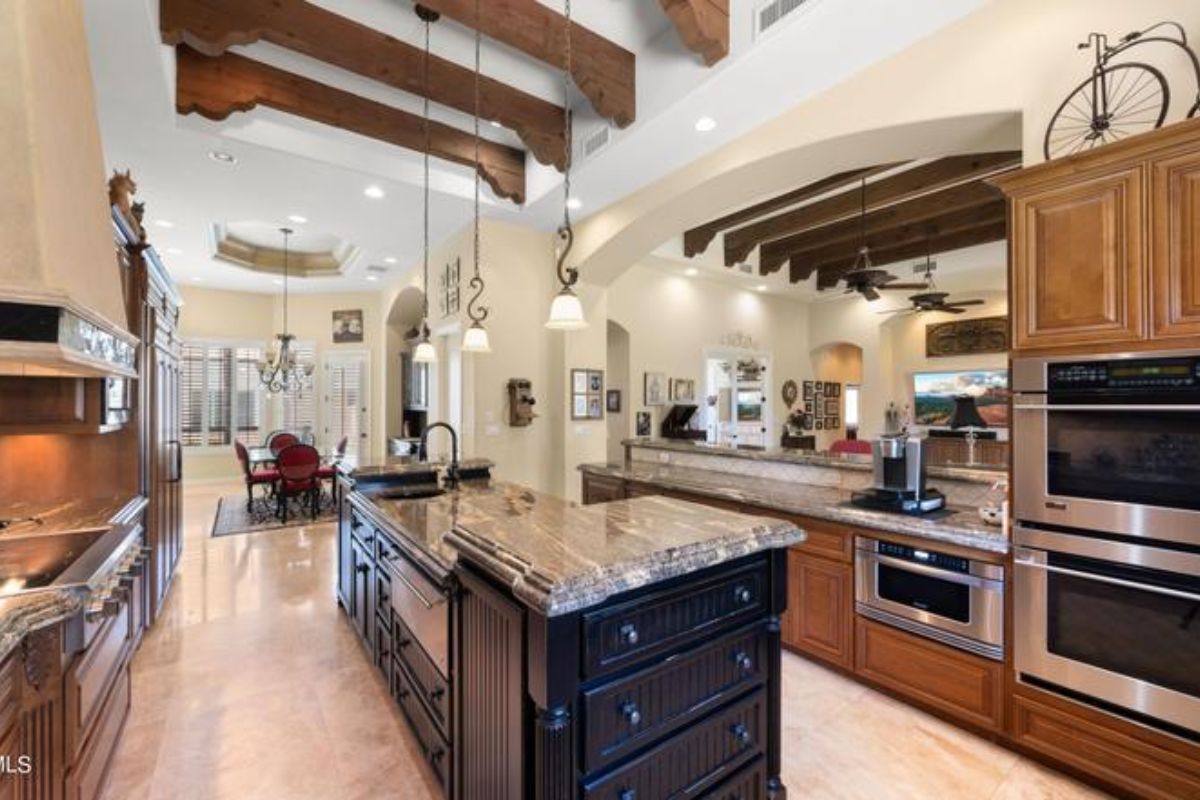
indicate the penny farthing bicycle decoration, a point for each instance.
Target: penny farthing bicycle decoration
{"x":1120,"y":99}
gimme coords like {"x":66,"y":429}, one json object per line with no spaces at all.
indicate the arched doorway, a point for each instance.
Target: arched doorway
{"x":409,"y":387}
{"x":838,"y":372}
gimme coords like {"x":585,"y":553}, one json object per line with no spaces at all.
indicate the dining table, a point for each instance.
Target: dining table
{"x":262,"y":455}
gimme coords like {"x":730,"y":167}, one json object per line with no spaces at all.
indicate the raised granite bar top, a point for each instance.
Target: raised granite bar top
{"x":558,"y":556}
{"x":961,"y":527}
{"x":399,"y":466}
{"x":850,"y":461}
{"x":77,"y":514}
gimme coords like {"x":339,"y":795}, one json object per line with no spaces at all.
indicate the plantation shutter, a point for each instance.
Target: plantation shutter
{"x":345,"y":404}
{"x":191,"y":396}
{"x":298,"y":407}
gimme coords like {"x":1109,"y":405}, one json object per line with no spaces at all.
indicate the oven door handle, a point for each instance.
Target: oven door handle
{"x":1025,"y":561}
{"x":1080,"y":407}
{"x":923,"y":569}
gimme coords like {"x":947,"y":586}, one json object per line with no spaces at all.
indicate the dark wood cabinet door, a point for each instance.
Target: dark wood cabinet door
{"x":345,"y":556}
{"x":1077,"y":262}
{"x":1175,"y":245}
{"x":599,"y":489}
{"x":819,"y":619}
{"x":364,"y":591}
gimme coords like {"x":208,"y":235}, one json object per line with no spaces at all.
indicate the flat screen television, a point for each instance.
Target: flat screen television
{"x":934,"y":393}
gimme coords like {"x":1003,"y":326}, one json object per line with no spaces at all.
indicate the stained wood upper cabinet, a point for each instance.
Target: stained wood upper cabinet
{"x":1175,"y":244}
{"x":1103,"y":246}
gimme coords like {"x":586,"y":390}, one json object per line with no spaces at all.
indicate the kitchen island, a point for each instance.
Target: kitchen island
{"x":539,"y":648}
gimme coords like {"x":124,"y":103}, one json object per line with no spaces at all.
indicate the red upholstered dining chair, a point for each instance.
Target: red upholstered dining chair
{"x":279,"y":441}
{"x":297,"y":467}
{"x":255,"y":477}
{"x":859,"y":446}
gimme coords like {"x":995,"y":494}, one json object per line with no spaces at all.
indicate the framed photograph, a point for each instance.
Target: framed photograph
{"x":643,"y":423}
{"x":808,"y":390}
{"x":579,"y":381}
{"x":579,"y":406}
{"x":808,"y":407}
{"x":595,"y":382}
{"x":833,"y":423}
{"x":833,"y":390}
{"x":587,"y":394}
{"x":820,"y":424}
{"x":832,"y":407}
{"x":819,"y":387}
{"x":595,"y":411}
{"x":683,"y":390}
{"x":613,"y":401}
{"x":655,"y":389}
{"x":348,"y":326}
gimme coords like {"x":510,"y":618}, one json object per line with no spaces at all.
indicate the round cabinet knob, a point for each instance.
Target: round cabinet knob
{"x":744,"y":662}
{"x":627,"y":794}
{"x":741,"y":734}
{"x":629,"y":634}
{"x":631,"y":713}
{"x":742,"y":595}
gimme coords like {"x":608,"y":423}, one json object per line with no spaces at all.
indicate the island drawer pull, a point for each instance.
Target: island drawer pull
{"x":742,"y":595}
{"x":628,"y":633}
{"x":631,"y":713}
{"x":744,"y":662}
{"x":627,"y":794}
{"x":740,"y":733}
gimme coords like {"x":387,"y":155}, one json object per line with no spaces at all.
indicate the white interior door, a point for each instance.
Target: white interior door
{"x":347,"y":403}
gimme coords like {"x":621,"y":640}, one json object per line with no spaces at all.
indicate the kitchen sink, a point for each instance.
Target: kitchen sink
{"x":30,"y":563}
{"x":418,"y":492}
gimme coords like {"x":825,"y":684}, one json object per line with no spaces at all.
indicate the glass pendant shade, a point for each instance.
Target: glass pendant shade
{"x":566,"y":312}
{"x":475,"y":340}
{"x":425,"y":354}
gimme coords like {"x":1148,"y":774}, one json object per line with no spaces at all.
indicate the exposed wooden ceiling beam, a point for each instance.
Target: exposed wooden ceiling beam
{"x":604,"y":71}
{"x":216,"y":87}
{"x":703,"y":25}
{"x":910,"y":183}
{"x":697,"y":240}
{"x":848,"y":232}
{"x":829,"y":274}
{"x":212,"y":26}
{"x":803,"y":263}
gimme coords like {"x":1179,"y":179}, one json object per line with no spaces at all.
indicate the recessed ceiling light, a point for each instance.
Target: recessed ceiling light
{"x":373,"y":192}
{"x":574,"y":204}
{"x":705,"y":124}
{"x":175,"y":251}
{"x":222,"y":157}
{"x":691,"y":272}
{"x":296,"y":218}
{"x":762,"y":287}
{"x":389,"y":260}
{"x":164,"y":223}
{"x":372,"y":277}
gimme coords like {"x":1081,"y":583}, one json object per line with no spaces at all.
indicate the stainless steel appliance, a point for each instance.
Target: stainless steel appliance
{"x":1109,"y":443}
{"x":1111,"y":621}
{"x":953,"y":600}
{"x":899,"y":477}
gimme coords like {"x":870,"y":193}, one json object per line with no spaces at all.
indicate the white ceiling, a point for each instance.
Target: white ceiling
{"x":288,"y":166}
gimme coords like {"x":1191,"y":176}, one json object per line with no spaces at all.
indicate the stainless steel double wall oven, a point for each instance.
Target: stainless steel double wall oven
{"x":1106,"y":490}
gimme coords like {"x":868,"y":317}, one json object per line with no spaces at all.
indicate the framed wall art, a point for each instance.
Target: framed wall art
{"x":683,"y":390}
{"x":655,"y":389}
{"x":967,"y":337}
{"x":613,"y":401}
{"x":348,"y":326}
{"x":643,"y":423}
{"x":587,"y":392}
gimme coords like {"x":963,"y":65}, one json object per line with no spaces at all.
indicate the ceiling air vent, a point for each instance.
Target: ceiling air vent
{"x":770,"y":14}
{"x":595,"y":141}
{"x":376,"y":269}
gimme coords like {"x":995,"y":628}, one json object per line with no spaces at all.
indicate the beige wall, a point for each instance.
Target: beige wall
{"x":247,"y":316}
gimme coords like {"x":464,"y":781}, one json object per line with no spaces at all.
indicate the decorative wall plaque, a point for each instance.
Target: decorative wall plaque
{"x":965,"y":337}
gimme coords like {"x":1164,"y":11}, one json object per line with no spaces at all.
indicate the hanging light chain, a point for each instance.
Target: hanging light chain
{"x":476,"y":312}
{"x":567,"y":276}
{"x":425,"y":119}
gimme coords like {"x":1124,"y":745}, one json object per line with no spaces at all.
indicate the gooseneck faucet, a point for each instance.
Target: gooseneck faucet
{"x":423,"y":453}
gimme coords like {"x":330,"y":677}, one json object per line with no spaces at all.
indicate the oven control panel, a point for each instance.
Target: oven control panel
{"x":927,"y":557}
{"x":1172,"y":374}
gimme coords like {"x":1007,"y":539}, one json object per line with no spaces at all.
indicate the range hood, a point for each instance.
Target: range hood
{"x":62,"y":308}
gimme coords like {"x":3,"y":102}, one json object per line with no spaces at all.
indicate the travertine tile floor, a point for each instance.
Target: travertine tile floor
{"x":252,"y":686}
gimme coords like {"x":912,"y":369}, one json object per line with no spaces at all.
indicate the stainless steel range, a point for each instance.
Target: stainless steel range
{"x":1106,"y":485}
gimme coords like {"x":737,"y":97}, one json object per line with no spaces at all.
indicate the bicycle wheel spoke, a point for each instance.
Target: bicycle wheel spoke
{"x":1139,"y":98}
{"x":1086,"y":113}
{"x":1114,"y":89}
{"x":1144,"y":104}
{"x":1134,"y":88}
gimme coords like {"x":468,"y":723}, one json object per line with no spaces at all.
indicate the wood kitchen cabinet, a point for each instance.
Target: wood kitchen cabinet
{"x":820,"y":616}
{"x":1103,"y":246}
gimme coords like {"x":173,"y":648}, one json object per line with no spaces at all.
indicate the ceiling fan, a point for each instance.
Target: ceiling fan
{"x":864,"y":277}
{"x":930,"y":300}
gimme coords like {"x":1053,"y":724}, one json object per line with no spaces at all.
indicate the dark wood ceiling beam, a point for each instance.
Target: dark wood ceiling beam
{"x":212,"y":26}
{"x":703,"y":25}
{"x":803,"y":263}
{"x":604,"y":71}
{"x":848,"y":232}
{"x":697,"y":240}
{"x":906,"y":185}
{"x":216,"y":87}
{"x":829,"y":274}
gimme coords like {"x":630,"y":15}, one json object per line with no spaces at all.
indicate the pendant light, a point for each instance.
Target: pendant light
{"x":863,"y":259}
{"x":280,"y":371}
{"x":566,"y":312}
{"x":475,"y":340}
{"x":424,"y":352}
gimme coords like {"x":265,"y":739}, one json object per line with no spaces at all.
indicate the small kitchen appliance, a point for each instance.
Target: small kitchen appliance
{"x":899,"y":477}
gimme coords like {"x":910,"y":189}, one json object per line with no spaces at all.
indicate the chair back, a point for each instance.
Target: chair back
{"x":272,"y":435}
{"x":243,"y":457}
{"x":299,"y":462}
{"x":340,"y":450}
{"x":281,"y":441}
{"x":859,"y":446}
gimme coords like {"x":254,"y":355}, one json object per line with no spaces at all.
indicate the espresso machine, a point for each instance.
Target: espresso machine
{"x":899,"y":477}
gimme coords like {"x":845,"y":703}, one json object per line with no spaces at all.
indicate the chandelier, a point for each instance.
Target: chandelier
{"x":280,"y":371}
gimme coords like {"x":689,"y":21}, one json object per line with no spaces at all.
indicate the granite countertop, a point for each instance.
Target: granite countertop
{"x":962,"y":527}
{"x":399,"y":466}
{"x":24,"y":613}
{"x":560,"y":557}
{"x":851,"y":461}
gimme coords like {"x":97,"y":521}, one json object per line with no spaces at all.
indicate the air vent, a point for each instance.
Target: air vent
{"x":595,"y":141}
{"x":770,"y":14}
{"x":376,"y":269}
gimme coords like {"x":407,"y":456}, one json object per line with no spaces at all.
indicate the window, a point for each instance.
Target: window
{"x":220,"y":394}
{"x":346,"y":393}
{"x":852,"y":390}
{"x":298,"y":408}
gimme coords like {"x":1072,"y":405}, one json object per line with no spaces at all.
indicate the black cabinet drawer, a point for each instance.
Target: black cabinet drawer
{"x":383,"y":596}
{"x":622,"y":634}
{"x":362,"y":530}
{"x":433,"y":745}
{"x":629,"y":713}
{"x":693,"y":761}
{"x":750,"y":783}
{"x":427,"y":679}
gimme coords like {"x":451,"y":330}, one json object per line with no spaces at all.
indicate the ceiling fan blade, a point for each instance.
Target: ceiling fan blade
{"x":967,"y":302}
{"x":901,"y":310}
{"x":951,"y":309}
{"x":905,"y":286}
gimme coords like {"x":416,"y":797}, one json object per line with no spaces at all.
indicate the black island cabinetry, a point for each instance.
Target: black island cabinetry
{"x":601,"y":661}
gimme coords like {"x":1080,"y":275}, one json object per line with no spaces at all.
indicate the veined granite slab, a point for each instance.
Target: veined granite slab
{"x":63,"y":516}
{"x":962,"y":527}
{"x":848,"y":461}
{"x":560,"y":557}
